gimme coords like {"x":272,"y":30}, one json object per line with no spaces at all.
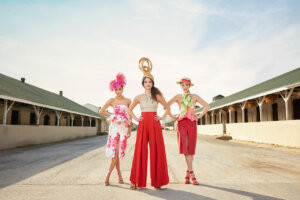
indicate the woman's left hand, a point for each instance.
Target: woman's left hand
{"x":157,"y":118}
{"x":199,"y":116}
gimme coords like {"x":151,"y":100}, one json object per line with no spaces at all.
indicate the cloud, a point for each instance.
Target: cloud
{"x":80,"y":48}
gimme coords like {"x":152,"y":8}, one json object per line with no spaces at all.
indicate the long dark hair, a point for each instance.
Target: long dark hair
{"x":154,"y":90}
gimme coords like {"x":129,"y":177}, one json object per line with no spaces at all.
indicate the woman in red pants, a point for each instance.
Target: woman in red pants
{"x":187,"y":124}
{"x":149,"y":130}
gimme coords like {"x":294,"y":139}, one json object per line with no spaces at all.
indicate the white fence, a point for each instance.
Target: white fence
{"x":286,"y":133}
{"x":19,"y":135}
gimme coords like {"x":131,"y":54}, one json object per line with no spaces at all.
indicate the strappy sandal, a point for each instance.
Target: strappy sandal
{"x":121,"y":181}
{"x":157,"y":188}
{"x":106,"y":183}
{"x":133,"y":186}
{"x":187,"y":178}
{"x":193,"y":179}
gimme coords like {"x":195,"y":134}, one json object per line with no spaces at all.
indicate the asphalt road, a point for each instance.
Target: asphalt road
{"x":77,"y":169}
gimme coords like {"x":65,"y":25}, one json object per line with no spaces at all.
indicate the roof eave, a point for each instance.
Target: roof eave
{"x":256,"y":96}
{"x":45,"y":106}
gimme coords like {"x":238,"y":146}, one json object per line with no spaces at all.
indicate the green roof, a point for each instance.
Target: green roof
{"x":16,"y":89}
{"x":286,"y":79}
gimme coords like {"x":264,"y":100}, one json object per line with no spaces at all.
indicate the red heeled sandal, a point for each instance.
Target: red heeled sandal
{"x":193,"y":179}
{"x":187,"y":178}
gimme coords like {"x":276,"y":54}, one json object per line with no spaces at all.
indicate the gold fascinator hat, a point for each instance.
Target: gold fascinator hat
{"x":145,"y":66}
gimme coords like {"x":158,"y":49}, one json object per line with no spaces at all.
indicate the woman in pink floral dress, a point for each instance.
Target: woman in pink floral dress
{"x":119,"y":129}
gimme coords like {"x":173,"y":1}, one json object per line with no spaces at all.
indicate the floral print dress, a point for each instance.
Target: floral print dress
{"x":118,"y":130}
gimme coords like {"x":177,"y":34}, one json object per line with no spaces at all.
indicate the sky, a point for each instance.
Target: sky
{"x":79,"y":46}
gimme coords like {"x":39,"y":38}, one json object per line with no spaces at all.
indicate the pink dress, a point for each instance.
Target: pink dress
{"x":118,"y":130}
{"x":187,"y":131}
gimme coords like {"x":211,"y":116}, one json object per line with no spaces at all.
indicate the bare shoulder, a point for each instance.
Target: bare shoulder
{"x":195,"y":96}
{"x":160,"y":96}
{"x":178,"y":96}
{"x":138,"y":97}
{"x":111,"y":100}
{"x":128,"y":100}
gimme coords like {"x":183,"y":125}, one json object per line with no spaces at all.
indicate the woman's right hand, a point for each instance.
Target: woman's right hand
{"x":138,"y":119}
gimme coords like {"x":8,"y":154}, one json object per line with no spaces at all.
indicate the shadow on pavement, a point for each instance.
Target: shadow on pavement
{"x":171,"y":194}
{"x":21,"y":163}
{"x":254,"y":196}
{"x":167,"y":193}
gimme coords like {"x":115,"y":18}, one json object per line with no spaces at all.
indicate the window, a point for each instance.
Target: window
{"x":46,"y":120}
{"x":15,"y":117}
{"x":32,"y":118}
{"x":227,"y":117}
{"x":93,"y":123}
{"x":275,"y":111}
{"x":235,"y":116}
{"x":257,"y":114}
{"x":246,"y":115}
{"x":296,"y":109}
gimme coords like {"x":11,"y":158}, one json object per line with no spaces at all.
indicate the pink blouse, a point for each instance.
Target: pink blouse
{"x":190,"y":114}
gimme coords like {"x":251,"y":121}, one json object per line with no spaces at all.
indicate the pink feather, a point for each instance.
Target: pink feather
{"x":119,"y":81}
{"x":111,"y":85}
{"x":121,"y":78}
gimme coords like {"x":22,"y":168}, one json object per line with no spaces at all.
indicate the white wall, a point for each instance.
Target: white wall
{"x":286,"y":133}
{"x":18,"y":135}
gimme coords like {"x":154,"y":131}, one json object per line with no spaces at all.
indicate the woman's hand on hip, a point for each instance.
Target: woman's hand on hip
{"x":157,"y":118}
{"x":140,"y":118}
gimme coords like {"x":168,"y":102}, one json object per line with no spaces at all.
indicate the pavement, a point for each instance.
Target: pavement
{"x":76,"y":170}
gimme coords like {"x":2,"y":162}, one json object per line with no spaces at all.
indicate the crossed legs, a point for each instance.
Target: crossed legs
{"x":115,"y":162}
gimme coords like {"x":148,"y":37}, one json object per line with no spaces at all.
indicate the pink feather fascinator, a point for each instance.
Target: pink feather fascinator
{"x":119,"y":81}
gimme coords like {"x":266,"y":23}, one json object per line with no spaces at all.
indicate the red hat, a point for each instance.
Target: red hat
{"x":185,"y":79}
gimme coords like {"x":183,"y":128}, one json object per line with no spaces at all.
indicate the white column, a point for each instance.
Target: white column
{"x":82,"y":120}
{"x":72,"y":119}
{"x":6,"y":110}
{"x":98,"y":125}
{"x":286,"y":97}
{"x":229,"y":110}
{"x":220,"y":116}
{"x":38,"y":111}
{"x":260,"y":102}
{"x":223,"y":121}
{"x":206,"y":120}
{"x":243,"y":105}
{"x":58,"y":115}
{"x":90,"y":119}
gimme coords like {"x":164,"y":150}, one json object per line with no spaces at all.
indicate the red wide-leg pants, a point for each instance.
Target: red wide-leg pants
{"x":149,"y":130}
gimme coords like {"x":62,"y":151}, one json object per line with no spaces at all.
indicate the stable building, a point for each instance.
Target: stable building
{"x":31,"y":115}
{"x":268,"y":112}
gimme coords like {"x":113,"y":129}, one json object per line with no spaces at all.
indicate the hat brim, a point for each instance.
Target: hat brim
{"x":179,"y":82}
